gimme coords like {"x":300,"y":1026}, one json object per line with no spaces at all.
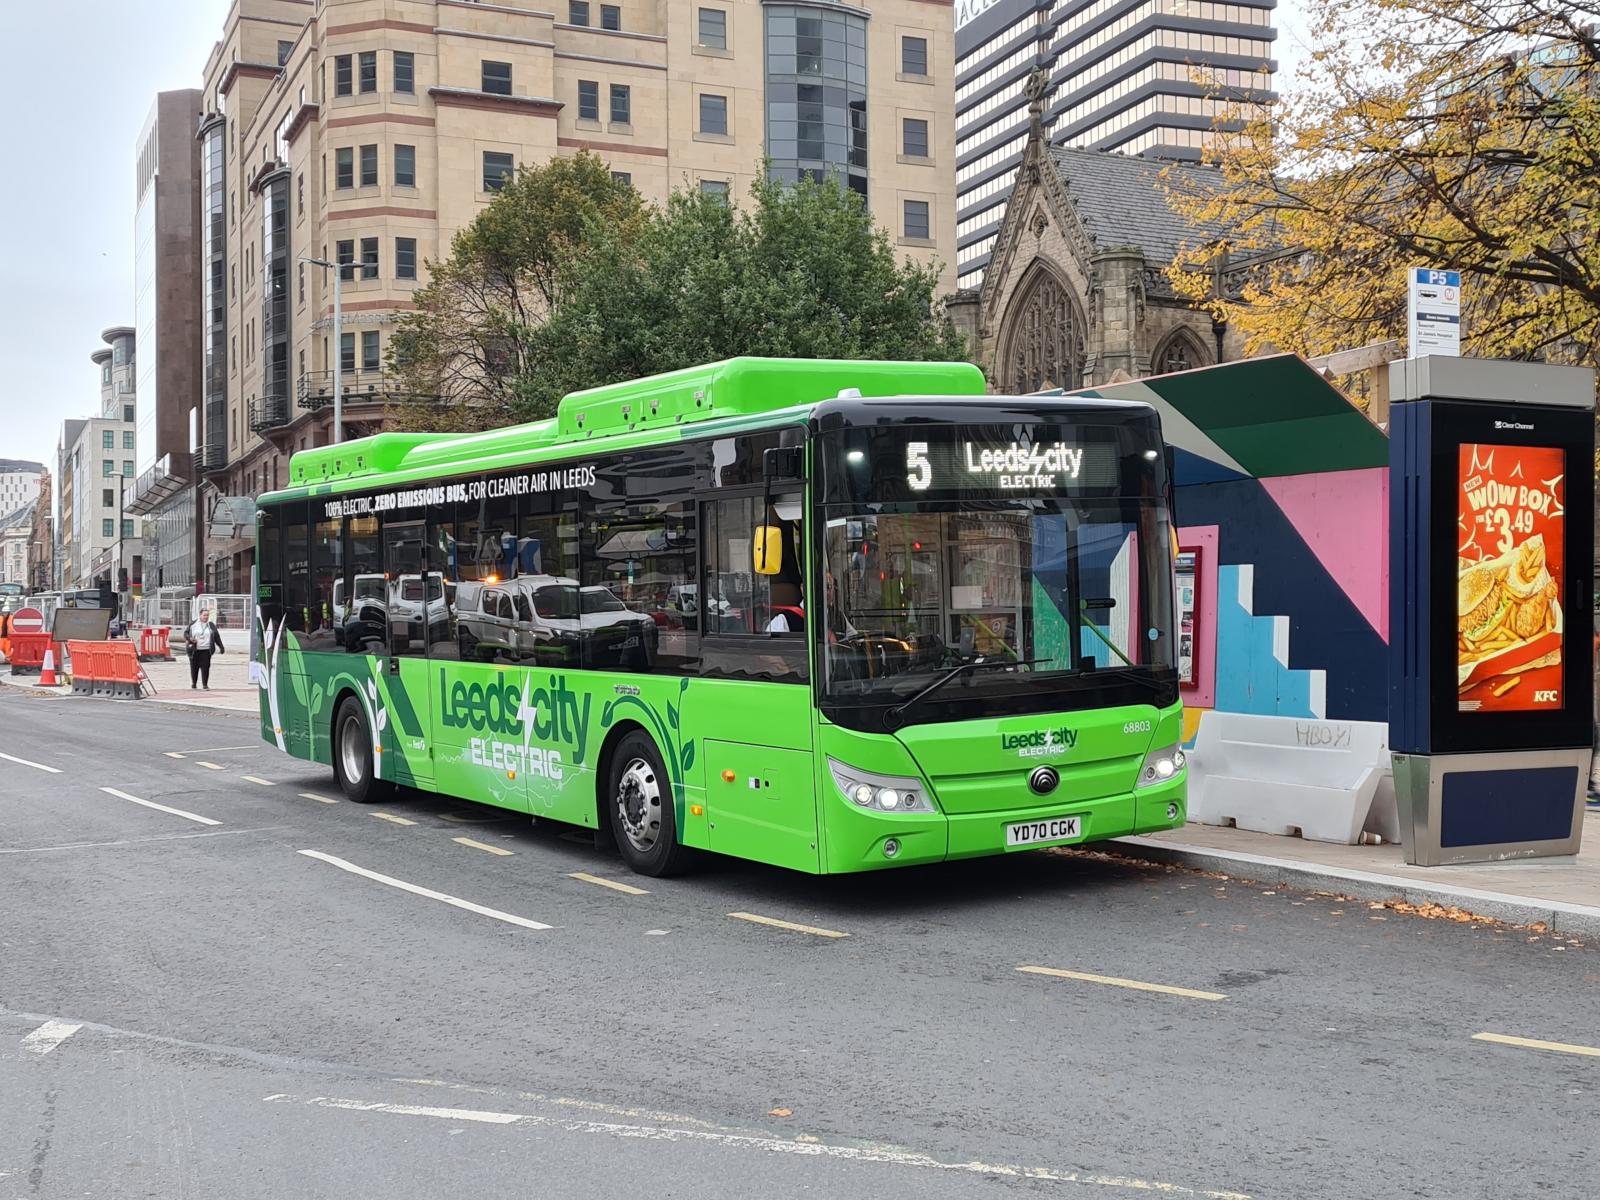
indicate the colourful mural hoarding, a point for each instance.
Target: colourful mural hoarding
{"x":1511,"y":524}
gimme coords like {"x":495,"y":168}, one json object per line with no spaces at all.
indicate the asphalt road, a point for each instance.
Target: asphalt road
{"x":222,"y":1001}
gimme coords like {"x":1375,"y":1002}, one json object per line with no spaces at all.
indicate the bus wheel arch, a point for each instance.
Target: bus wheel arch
{"x":631,"y":777}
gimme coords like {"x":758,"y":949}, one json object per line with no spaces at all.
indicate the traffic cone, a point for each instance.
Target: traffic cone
{"x":47,"y":673}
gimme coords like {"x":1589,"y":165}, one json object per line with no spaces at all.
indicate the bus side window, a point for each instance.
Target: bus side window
{"x":364,"y":615}
{"x":327,"y":566}
{"x":296,"y":567}
{"x":269,"y":569}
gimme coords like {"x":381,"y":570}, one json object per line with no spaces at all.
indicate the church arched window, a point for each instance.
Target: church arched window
{"x":1044,"y":338}
{"x":1180,"y":352}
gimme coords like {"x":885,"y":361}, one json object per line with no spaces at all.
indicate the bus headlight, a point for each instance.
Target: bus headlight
{"x":880,"y":793}
{"x":1161,"y":766}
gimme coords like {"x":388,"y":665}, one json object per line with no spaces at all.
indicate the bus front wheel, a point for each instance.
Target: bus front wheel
{"x":639,"y":799}
{"x":353,"y":764}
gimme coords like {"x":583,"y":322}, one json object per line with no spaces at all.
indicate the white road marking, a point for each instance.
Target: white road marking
{"x":317,"y":798}
{"x":1133,"y":984}
{"x":391,"y":818}
{"x":777,"y":924}
{"x":216,"y":749}
{"x":48,"y":1036}
{"x":210,"y":766}
{"x":464,"y":841}
{"x":155,"y":837}
{"x":809,"y":1148}
{"x":177,"y":812}
{"x":1536,"y":1044}
{"x":174,"y":754}
{"x":414,"y":889}
{"x":26,"y":763}
{"x":258,"y":779}
{"x":626,"y":888}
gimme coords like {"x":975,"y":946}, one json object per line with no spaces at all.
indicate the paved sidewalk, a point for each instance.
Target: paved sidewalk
{"x":231,"y":689}
{"x":1563,"y":893}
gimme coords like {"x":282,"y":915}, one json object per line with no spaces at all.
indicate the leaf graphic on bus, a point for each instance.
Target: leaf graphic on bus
{"x":688,"y":757}
{"x":672,"y":714}
{"x":605,"y":714}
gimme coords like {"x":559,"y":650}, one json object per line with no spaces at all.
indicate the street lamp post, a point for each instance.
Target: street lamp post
{"x":338,"y":345}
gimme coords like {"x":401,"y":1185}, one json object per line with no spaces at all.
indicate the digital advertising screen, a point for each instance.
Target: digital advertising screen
{"x":1511,"y":528}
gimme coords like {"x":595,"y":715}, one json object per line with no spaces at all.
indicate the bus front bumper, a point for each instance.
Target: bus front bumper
{"x":862,"y":840}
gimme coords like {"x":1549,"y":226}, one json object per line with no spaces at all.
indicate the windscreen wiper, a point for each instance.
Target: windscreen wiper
{"x":895,"y":717}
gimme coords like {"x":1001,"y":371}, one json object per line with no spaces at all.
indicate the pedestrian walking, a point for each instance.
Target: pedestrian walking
{"x":202,"y":639}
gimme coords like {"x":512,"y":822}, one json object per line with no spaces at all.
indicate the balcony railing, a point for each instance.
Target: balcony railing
{"x":212,"y":458}
{"x":314,"y":390}
{"x":268,"y":413}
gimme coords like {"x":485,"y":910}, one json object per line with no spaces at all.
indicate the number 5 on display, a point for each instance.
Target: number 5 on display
{"x":919,"y":471}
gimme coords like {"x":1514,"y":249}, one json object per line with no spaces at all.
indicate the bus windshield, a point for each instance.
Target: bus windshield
{"x":1044,"y":546}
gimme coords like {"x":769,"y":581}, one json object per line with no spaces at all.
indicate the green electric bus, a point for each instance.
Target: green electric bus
{"x":828,"y":615}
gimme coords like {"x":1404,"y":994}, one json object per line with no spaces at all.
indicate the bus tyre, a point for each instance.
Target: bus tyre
{"x":352,"y":756}
{"x":639,"y":799}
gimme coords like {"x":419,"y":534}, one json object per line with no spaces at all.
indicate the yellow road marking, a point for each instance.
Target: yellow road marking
{"x":392,"y":818}
{"x":609,"y":883}
{"x":208,"y":766}
{"x":257,"y":779}
{"x":1135,"y":984}
{"x":777,"y":924}
{"x":479,"y":845}
{"x":1536,"y":1044}
{"x":319,"y":799}
{"x":175,"y":754}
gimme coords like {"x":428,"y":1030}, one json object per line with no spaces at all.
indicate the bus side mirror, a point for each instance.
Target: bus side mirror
{"x":767,"y":550}
{"x":782,"y":462}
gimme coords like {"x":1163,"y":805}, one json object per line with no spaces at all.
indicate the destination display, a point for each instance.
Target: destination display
{"x":1510,"y":628}
{"x":923,"y":463}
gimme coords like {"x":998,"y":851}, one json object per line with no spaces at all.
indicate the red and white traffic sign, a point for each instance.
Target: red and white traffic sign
{"x":27,"y":620}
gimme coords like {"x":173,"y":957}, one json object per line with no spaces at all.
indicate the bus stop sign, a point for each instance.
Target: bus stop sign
{"x":27,"y":620}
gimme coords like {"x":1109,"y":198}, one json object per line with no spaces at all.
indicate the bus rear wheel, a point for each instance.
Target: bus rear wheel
{"x":353,"y":764}
{"x":639,"y":800}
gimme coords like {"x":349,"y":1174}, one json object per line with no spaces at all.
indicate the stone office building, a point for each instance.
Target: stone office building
{"x":367,"y":132}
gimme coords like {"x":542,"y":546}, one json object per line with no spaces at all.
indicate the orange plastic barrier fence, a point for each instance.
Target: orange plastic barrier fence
{"x":155,"y":643}
{"x":106,"y":669}
{"x":27,"y":652}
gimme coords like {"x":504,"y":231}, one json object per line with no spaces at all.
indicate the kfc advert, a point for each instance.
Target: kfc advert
{"x":1510,"y":521}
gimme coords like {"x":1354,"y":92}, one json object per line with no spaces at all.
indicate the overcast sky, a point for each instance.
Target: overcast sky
{"x":79,"y":84}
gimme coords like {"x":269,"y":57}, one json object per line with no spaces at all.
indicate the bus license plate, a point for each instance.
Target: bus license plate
{"x":1040,"y":833}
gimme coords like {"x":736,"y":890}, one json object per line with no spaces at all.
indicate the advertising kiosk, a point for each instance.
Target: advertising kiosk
{"x":1491,"y":550}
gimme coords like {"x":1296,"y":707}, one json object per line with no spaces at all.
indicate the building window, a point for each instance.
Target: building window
{"x":300,"y":194}
{"x":127,"y":439}
{"x":816,"y":94}
{"x":623,"y":177}
{"x":914,"y":137}
{"x":345,"y":252}
{"x":588,"y":100}
{"x":344,"y":167}
{"x":107,"y":468}
{"x":610,"y":16}
{"x":713,"y":114}
{"x":497,"y":78}
{"x":369,"y":350}
{"x":497,"y":168}
{"x":405,"y":72}
{"x":712,"y":29}
{"x":621,"y":104}
{"x":578,"y":12}
{"x":127,"y":412}
{"x":347,"y":353}
{"x":369,"y":71}
{"x":300,"y":283}
{"x":1045,"y":345}
{"x":914,"y":56}
{"x":405,"y":166}
{"x":108,"y":527}
{"x":108,"y":498}
{"x":127,"y":468}
{"x":127,"y":529}
{"x":284,"y":50}
{"x":108,"y":439}
{"x":405,"y":258}
{"x":916,"y":219}
{"x":342,"y":77}
{"x":1175,"y":357}
{"x":717,"y":189}
{"x":369,"y":166}
{"x":369,"y":258}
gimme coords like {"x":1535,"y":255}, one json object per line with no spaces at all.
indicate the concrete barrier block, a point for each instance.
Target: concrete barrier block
{"x":1288,"y":775}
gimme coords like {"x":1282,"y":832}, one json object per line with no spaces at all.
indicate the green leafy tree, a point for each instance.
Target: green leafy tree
{"x":1445,"y":133}
{"x":460,"y":354}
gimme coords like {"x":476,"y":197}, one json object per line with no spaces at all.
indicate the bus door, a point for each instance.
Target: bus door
{"x":411,"y":604}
